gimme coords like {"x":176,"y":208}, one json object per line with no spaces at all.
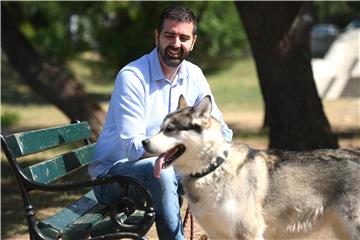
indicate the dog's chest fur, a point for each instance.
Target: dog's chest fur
{"x":219,"y":199}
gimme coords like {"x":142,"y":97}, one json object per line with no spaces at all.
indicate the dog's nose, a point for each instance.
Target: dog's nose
{"x":145,"y":142}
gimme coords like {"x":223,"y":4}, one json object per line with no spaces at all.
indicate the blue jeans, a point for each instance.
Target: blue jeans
{"x":165,"y":193}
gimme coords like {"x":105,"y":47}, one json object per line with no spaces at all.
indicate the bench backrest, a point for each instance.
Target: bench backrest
{"x":30,"y":142}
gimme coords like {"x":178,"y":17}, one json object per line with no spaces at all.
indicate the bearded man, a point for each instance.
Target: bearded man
{"x":145,"y":91}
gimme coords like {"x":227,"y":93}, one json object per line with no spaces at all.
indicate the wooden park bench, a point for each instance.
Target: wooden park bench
{"x":85,"y":218}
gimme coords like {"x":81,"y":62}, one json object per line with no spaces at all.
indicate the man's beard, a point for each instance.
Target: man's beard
{"x":169,"y":60}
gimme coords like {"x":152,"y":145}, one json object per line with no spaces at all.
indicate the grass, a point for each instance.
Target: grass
{"x":9,"y":118}
{"x":236,"y":86}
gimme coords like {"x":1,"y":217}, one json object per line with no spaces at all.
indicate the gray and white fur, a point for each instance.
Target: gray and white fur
{"x":236,"y":192}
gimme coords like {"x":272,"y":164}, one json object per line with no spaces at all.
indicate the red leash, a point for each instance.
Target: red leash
{"x":192,"y":223}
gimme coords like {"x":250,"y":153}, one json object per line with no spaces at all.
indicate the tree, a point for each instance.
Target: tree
{"x":48,"y":80}
{"x":123,"y":31}
{"x":279,"y":38}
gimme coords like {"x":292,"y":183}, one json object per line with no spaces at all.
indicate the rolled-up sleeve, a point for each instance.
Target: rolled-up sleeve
{"x":129,"y":108}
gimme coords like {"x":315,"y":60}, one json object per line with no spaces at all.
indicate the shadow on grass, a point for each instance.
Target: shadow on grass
{"x":17,"y":92}
{"x":17,"y":95}
{"x":349,"y":133}
{"x":45,"y":203}
{"x":13,"y":211}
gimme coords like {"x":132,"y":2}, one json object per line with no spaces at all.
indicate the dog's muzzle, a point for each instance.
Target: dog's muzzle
{"x":146,"y":145}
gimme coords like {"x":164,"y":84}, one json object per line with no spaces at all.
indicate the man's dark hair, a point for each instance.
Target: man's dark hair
{"x":178,"y":13}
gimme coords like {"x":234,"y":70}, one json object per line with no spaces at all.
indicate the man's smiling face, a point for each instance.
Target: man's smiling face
{"x":175,"y":42}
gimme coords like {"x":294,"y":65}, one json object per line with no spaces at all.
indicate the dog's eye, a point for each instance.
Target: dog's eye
{"x":169,"y":129}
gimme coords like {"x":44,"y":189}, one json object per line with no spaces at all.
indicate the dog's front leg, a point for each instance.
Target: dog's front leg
{"x":251,"y":228}
{"x":249,"y":233}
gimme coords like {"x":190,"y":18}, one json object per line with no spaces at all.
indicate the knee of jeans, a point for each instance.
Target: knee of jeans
{"x":168,"y":176}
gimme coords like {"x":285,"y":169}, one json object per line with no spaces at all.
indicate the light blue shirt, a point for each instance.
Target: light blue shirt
{"x":141,"y":99}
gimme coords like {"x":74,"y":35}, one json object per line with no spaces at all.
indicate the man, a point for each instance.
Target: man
{"x":145,"y":91}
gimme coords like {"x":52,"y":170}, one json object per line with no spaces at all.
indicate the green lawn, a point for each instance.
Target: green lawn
{"x":236,"y":86}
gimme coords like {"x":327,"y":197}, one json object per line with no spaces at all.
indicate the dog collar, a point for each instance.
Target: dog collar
{"x":219,"y":160}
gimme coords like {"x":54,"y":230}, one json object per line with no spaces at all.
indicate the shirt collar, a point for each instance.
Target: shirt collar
{"x":156,"y":70}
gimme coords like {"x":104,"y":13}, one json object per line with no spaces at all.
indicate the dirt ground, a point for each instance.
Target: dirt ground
{"x":344,"y":117}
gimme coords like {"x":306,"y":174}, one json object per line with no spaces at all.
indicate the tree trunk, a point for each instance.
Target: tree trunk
{"x":279,"y":35}
{"x":48,"y":80}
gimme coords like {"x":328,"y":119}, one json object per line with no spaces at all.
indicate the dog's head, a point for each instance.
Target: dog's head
{"x":184,"y":134}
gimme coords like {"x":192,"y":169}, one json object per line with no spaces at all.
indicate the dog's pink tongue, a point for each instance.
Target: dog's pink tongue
{"x":158,"y":165}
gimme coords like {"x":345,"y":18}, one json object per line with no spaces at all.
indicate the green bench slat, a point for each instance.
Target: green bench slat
{"x":69,"y":214}
{"x":93,"y":222}
{"x":80,"y":228}
{"x":55,"y":168}
{"x":26,"y":143}
{"x":106,"y":225}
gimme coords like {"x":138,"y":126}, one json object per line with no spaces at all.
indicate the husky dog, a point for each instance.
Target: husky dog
{"x":236,"y":192}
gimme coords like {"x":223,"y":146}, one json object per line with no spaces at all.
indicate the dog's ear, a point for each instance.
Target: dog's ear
{"x":182,"y":102}
{"x":203,"y":109}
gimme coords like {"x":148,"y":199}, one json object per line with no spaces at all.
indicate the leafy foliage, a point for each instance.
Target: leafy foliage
{"x":48,"y":26}
{"x":9,"y":118}
{"x":338,"y":12}
{"x":221,"y":36}
{"x":122,"y":31}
